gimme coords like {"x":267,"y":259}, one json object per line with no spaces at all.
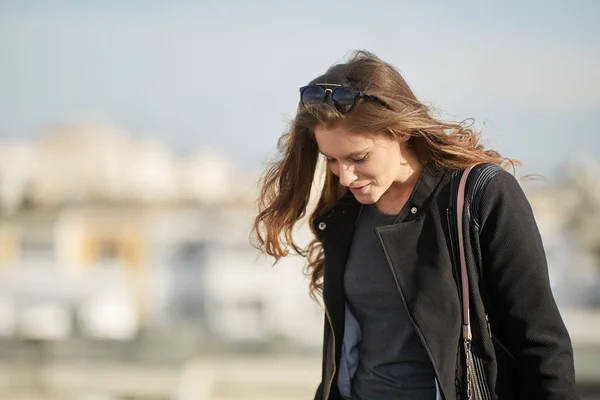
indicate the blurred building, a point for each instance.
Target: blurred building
{"x":103,"y":234}
{"x":567,"y":210}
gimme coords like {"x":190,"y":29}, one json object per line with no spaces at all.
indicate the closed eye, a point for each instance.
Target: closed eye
{"x":361,"y":160}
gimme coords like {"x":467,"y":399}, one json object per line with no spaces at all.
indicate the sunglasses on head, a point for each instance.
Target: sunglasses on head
{"x":342,"y":97}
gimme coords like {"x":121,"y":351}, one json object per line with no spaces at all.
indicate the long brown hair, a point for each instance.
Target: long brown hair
{"x":286,"y":184}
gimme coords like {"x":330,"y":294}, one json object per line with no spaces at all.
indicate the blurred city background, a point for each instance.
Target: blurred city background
{"x":132,"y":135}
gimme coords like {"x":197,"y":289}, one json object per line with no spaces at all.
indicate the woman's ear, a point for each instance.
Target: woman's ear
{"x":403,"y":138}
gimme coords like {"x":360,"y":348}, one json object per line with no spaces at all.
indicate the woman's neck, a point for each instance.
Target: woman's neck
{"x":394,"y":199}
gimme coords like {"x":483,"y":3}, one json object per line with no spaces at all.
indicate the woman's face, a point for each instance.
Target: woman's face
{"x":368,"y":164}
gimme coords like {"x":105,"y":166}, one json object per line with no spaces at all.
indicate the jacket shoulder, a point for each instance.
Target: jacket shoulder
{"x":492,"y":186}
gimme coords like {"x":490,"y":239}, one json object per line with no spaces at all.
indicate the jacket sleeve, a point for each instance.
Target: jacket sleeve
{"x":516,"y":274}
{"x":326,"y":333}
{"x":319,"y":392}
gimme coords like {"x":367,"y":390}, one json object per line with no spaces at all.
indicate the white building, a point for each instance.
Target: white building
{"x":122,"y":233}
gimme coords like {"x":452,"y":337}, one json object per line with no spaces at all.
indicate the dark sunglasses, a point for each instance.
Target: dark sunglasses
{"x":342,"y":97}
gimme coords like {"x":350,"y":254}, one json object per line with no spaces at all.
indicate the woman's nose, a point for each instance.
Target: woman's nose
{"x":347,"y":175}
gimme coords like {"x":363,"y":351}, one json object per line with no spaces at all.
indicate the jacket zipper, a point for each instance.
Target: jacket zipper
{"x":489,"y":327}
{"x":496,"y":340}
{"x":454,"y":259}
{"x":410,"y":317}
{"x":327,"y":390}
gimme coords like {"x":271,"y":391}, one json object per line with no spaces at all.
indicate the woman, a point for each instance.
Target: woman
{"x":385,"y":239}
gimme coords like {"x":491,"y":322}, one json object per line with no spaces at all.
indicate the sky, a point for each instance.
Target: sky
{"x":224,"y":75}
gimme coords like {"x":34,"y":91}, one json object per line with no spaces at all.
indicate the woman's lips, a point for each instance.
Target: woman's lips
{"x":359,"y":189}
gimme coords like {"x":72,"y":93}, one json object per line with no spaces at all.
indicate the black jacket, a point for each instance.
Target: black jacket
{"x":528,"y":353}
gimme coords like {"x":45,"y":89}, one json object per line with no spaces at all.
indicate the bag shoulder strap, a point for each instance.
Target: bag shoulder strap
{"x":483,"y":175}
{"x":460,"y":205}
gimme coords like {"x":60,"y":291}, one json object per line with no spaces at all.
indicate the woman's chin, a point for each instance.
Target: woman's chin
{"x":366,"y":198}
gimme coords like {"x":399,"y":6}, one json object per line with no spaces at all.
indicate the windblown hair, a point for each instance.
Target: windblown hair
{"x":286,"y":185}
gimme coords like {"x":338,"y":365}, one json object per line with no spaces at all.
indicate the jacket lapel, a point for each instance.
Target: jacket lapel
{"x":337,"y":230}
{"x":422,"y":272}
{"x":419,"y":256}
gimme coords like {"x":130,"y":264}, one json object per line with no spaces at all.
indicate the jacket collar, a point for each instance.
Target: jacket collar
{"x":349,"y":208}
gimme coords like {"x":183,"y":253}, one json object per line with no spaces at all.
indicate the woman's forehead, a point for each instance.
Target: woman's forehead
{"x":340,"y":140}
{"x":339,"y":133}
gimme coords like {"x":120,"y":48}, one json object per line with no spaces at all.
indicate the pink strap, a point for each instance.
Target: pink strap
{"x":460,"y":205}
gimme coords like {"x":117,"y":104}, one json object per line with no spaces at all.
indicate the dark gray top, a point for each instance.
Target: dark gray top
{"x":393,"y":363}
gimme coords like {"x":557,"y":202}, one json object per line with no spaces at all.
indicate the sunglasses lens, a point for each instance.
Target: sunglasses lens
{"x":312,"y":95}
{"x":343,"y":99}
